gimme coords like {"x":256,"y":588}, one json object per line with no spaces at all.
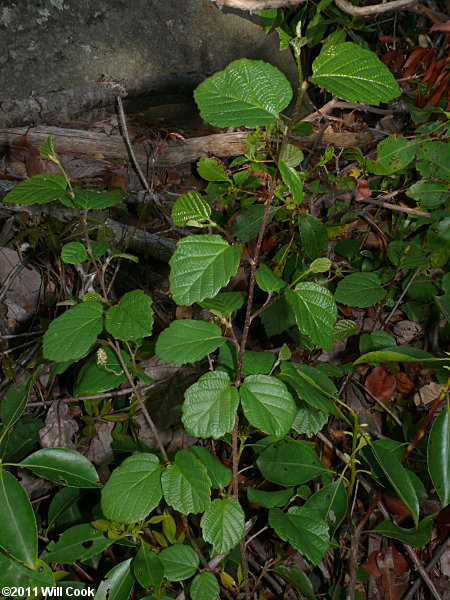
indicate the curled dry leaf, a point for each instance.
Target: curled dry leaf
{"x":404,"y":384}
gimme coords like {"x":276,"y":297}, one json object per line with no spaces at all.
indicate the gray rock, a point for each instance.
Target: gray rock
{"x":52,"y":44}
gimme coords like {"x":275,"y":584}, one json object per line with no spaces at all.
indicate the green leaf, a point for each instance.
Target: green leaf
{"x":132,"y":318}
{"x":219,"y":474}
{"x":13,"y":573}
{"x":133,"y":490}
{"x":62,"y":501}
{"x":429,"y":193}
{"x":210,"y":406}
{"x":100,"y":374}
{"x":406,"y":255}
{"x":314,"y":236}
{"x":187,"y":341}
{"x":277,"y":317}
{"x":186,"y":484}
{"x":320,"y":265}
{"x":354,"y":74}
{"x":211,"y":170}
{"x":396,"y":354}
{"x":309,"y":420}
{"x":267,"y":404}
{"x":293,"y":156}
{"x":190,"y":207}
{"x":269,"y":499}
{"x":330,"y":503}
{"x":118,"y":583}
{"x":91,"y":200}
{"x":344,"y":329}
{"x":63,"y":466}
{"x":397,"y":476}
{"x":248,"y":222}
{"x":297,"y":577}
{"x":303,"y":529}
{"x":417,"y":536}
{"x":71,"y":335}
{"x":432,"y":160}
{"x":39,"y":189}
{"x":375,"y":341}
{"x":292,"y":179}
{"x":200,"y":266}
{"x":267,"y":280}
{"x":394,"y":153}
{"x":247,"y":92}
{"x":225,"y":303}
{"x":204,"y":587}
{"x":180,"y":562}
{"x":18,"y":533}
{"x":47,"y":149}
{"x":14,"y":403}
{"x":439,"y":456}
{"x":22,"y":439}
{"x":80,"y":542}
{"x":315,"y":312}
{"x":148,"y":568}
{"x":223,"y":524}
{"x":359,"y":289}
{"x":290,"y":462}
{"x":74,"y":253}
{"x":252,"y":363}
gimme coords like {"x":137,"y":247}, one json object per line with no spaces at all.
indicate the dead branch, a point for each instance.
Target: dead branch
{"x":61,"y":106}
{"x":154,"y":245}
{"x":74,"y":141}
{"x":374,"y":9}
{"x":252,"y":5}
{"x":344,"y":5}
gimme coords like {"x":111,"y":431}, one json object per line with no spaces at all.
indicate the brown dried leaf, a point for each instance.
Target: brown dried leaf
{"x":362,"y":190}
{"x":59,"y":427}
{"x":381,"y":384}
{"x":404,"y":384}
{"x":427,"y":394}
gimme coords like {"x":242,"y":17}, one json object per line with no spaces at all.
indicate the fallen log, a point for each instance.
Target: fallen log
{"x":64,"y":105}
{"x":154,"y":245}
{"x":74,"y":141}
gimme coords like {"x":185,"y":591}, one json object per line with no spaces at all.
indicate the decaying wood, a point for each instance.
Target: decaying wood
{"x":61,"y":106}
{"x":257,"y":4}
{"x":373,"y":9}
{"x":73,"y":141}
{"x":153,"y":245}
{"x":344,"y":5}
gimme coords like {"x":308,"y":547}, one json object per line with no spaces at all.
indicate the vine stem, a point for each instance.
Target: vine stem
{"x":137,"y":392}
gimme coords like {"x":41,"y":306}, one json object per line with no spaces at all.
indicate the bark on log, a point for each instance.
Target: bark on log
{"x":153,"y":245}
{"x":62,"y":106}
{"x":73,"y":141}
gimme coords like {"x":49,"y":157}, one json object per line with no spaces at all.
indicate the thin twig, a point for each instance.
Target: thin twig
{"x":404,"y":209}
{"x":194,"y":543}
{"x":113,"y":394}
{"x":19,"y":335}
{"x":123,"y":124}
{"x":436,"y":557}
{"x":136,"y":391}
{"x":403,"y":294}
{"x":379,"y":402}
